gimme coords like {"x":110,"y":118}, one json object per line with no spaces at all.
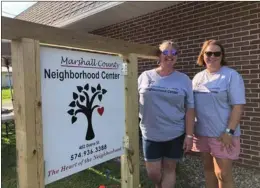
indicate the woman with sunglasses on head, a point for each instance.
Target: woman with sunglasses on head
{"x":167,"y":116}
{"x":219,"y":96}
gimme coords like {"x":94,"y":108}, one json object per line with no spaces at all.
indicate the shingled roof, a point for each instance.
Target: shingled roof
{"x":53,"y":12}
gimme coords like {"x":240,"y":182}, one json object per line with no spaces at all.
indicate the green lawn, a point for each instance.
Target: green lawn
{"x":6,"y":95}
{"x":90,"y":178}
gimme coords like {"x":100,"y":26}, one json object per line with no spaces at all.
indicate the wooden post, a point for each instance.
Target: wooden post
{"x":27,"y":109}
{"x":130,"y":173}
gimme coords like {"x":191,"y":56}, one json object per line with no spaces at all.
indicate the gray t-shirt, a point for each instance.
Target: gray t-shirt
{"x":214,"y":95}
{"x":162,"y":104}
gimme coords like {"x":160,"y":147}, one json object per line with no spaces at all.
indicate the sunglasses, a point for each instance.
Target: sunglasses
{"x":216,"y":54}
{"x":167,"y":52}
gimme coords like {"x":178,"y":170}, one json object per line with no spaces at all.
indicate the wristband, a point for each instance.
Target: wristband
{"x":230,"y":131}
{"x":189,"y":136}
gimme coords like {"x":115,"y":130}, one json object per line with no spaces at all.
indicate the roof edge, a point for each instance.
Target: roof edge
{"x":96,"y":10}
{"x":26,"y":9}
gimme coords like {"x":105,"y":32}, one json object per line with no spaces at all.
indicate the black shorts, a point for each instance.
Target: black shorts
{"x":172,"y":149}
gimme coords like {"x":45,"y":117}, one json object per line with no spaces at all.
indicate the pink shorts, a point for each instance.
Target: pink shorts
{"x":213,"y":146}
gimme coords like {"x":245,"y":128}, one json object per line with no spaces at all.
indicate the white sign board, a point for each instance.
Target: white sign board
{"x":83,"y":110}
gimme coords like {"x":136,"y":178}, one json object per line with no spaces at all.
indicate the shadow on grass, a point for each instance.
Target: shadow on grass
{"x":89,"y":178}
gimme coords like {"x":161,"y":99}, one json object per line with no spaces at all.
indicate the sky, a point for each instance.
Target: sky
{"x":12,"y":9}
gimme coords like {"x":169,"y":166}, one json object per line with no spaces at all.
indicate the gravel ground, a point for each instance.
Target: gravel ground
{"x":190,"y":174}
{"x":192,"y":167}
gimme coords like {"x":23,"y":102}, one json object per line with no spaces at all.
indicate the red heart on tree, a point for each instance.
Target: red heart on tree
{"x":100,"y":110}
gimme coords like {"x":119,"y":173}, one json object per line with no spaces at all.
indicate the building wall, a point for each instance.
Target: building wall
{"x":235,"y":24}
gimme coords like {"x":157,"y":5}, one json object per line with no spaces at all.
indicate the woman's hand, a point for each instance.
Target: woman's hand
{"x":226,"y":140}
{"x":187,"y":145}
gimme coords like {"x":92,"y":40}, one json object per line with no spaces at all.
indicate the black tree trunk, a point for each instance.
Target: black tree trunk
{"x":90,"y":132}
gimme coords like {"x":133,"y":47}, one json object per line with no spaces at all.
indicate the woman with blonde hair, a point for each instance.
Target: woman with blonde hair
{"x":167,"y":116}
{"x":219,"y":96}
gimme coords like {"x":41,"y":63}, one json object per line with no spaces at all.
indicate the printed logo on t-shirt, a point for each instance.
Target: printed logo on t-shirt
{"x":164,"y":89}
{"x":175,"y":90}
{"x":201,"y":88}
{"x":150,"y":83}
{"x":214,"y":89}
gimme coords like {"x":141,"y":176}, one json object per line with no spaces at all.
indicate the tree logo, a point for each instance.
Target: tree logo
{"x":82,"y":103}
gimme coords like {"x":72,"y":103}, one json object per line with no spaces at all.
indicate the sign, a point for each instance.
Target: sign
{"x":83,"y":110}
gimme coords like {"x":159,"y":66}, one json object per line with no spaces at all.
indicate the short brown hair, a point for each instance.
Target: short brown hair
{"x":205,"y":45}
{"x":174,"y":45}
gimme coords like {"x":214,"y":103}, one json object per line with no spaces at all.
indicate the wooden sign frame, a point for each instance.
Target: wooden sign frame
{"x":26,"y":38}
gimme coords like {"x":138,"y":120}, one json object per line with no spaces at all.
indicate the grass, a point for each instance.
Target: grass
{"x":89,"y":178}
{"x":6,"y":95}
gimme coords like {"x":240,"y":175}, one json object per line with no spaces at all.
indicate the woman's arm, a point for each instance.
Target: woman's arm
{"x":189,"y":118}
{"x":236,"y":95}
{"x":190,"y":112}
{"x":189,"y":121}
{"x":235,"y":116}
